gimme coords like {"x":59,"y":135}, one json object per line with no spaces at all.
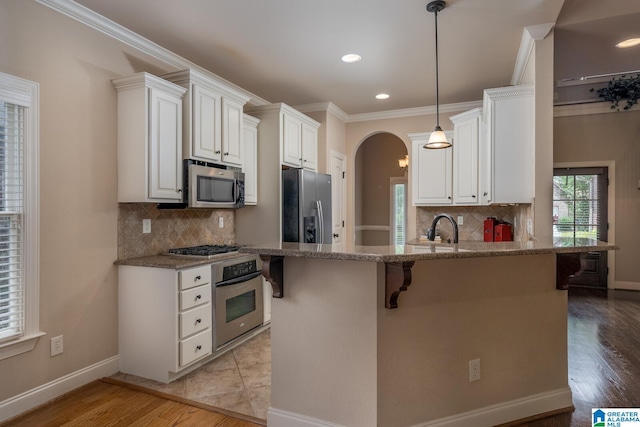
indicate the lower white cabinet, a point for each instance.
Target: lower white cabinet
{"x":165,"y":320}
{"x":250,"y":166}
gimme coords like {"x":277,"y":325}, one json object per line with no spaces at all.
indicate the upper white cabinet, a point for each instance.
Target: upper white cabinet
{"x":213,"y":118}
{"x":250,"y":167}
{"x":509,"y":149}
{"x":296,"y":134}
{"x":466,"y":134}
{"x":431,"y":172}
{"x":149,"y":139}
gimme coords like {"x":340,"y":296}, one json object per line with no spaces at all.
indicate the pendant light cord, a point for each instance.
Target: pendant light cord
{"x":437,"y":82}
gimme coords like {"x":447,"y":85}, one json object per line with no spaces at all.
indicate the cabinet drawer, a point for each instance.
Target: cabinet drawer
{"x":195,"y":277}
{"x":195,"y":320}
{"x":195,"y":347}
{"x":195,"y":296}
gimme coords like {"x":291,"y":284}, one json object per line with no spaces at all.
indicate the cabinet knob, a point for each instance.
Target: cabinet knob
{"x":217,"y":151}
{"x":198,"y":321}
{"x":226,"y":154}
{"x":198,"y":297}
{"x":485,"y":194}
{"x":336,"y":235}
{"x":449,"y":197}
{"x":197,"y":278}
{"x":474,"y":196}
{"x":179,"y":190}
{"x":304,"y":161}
{"x":199,"y":348}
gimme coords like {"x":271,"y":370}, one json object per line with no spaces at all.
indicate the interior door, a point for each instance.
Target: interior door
{"x":338,"y":193}
{"x":580,"y":211}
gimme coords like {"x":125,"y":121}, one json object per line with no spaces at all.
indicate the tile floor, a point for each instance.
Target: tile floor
{"x":239,"y":380}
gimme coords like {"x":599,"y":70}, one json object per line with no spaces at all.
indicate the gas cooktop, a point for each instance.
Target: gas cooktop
{"x":203,"y":251}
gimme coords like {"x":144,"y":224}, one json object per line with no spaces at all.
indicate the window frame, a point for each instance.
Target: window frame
{"x":393,"y":181}
{"x":26,"y":93}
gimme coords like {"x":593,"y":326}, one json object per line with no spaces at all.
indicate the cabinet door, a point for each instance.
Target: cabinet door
{"x":165,"y":146}
{"x":250,"y":166}
{"x":465,"y":162}
{"x":309,"y":147}
{"x":232,"y":132}
{"x":206,"y":133}
{"x":291,"y":141}
{"x":431,"y":173}
{"x":510,"y":130}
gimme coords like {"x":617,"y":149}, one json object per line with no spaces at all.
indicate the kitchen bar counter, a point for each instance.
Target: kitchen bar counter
{"x":419,"y":250}
{"x":343,"y":355}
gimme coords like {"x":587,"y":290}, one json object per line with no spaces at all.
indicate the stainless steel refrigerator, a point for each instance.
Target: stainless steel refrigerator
{"x":306,"y":207}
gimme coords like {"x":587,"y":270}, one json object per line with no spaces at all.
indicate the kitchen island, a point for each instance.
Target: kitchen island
{"x":383,"y":336}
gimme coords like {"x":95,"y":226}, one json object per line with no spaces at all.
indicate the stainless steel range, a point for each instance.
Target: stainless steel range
{"x":237,"y":291}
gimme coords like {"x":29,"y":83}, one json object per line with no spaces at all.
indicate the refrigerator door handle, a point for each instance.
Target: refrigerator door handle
{"x":321,"y":220}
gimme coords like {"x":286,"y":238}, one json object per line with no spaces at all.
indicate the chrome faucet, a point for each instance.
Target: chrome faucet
{"x":431,"y":233}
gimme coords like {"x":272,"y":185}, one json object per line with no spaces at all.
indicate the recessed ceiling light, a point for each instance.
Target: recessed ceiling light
{"x":628,"y":43}
{"x":351,"y":57}
{"x":382,"y":96}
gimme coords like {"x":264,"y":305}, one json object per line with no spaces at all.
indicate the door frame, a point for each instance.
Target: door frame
{"x":338,"y":156}
{"x":611,"y":209}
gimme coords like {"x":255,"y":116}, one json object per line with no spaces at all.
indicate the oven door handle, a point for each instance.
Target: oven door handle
{"x":237,"y":280}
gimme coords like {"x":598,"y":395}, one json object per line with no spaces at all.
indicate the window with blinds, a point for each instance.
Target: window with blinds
{"x":398,"y":212}
{"x":11,"y":221}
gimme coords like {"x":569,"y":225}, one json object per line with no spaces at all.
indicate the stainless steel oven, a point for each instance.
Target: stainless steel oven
{"x":238,"y":306}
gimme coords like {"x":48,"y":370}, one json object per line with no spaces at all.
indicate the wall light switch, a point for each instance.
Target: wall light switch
{"x":146,"y":226}
{"x":460,"y":220}
{"x":221,"y":222}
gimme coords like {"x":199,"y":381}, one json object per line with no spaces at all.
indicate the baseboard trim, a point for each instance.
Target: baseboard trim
{"x":551,"y":402}
{"x":37,"y":396}
{"x":280,"y":418}
{"x":629,"y":286}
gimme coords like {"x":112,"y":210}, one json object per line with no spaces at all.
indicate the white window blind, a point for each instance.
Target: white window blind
{"x":12,"y":286}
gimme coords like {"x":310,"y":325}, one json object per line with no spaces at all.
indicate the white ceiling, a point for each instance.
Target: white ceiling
{"x":289,"y":50}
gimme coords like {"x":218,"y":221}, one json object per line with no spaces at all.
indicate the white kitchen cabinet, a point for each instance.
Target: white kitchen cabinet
{"x":431,"y":172}
{"x":466,"y":134}
{"x":250,"y":165}
{"x":509,"y":149}
{"x":212,"y":119}
{"x":299,"y":140}
{"x":149,"y":139}
{"x":165,"y":320}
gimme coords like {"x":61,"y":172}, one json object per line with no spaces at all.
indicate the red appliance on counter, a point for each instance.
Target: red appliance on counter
{"x":503,"y":232}
{"x":489,"y":228}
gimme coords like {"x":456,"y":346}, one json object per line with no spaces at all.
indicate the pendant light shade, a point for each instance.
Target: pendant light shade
{"x":437,"y":139}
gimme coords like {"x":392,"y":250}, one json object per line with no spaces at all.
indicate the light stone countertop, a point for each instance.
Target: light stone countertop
{"x":175,"y":262}
{"x":419,"y":250}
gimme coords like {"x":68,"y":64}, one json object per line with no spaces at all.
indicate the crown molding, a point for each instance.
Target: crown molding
{"x":530,"y":35}
{"x":586,"y":109}
{"x":324,"y":106}
{"x":410,"y":112}
{"x":98,"y":22}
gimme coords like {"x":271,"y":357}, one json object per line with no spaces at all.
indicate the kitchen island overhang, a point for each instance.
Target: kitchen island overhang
{"x":340,"y":358}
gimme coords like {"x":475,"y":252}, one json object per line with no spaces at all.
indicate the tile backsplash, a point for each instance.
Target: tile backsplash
{"x":170,"y":228}
{"x":472,"y":228}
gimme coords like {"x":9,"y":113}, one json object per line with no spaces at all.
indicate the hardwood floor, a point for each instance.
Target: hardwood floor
{"x":604,"y":354}
{"x":105,"y":403}
{"x":604,"y":367}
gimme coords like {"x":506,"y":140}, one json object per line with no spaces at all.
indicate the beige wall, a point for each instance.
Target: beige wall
{"x":74,"y":66}
{"x":612,"y":136}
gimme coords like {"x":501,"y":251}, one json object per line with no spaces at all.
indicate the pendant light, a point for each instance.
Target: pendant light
{"x":437,"y":139}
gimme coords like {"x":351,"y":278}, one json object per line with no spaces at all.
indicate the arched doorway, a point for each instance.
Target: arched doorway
{"x":380,"y":213}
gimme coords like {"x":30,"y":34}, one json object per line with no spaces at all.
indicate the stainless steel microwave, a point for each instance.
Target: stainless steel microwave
{"x":212,"y":187}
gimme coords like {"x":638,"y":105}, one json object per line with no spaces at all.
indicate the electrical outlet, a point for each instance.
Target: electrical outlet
{"x":56,"y":346}
{"x":474,"y":370}
{"x":460,"y":220}
{"x":221,"y":222}
{"x":146,"y":226}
